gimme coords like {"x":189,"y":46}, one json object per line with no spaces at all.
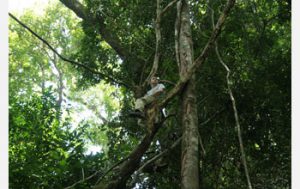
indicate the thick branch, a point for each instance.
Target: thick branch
{"x":109,"y":78}
{"x":120,"y":177}
{"x":77,"y":8}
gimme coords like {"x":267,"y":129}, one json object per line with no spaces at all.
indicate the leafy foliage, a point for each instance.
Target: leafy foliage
{"x":41,"y":148}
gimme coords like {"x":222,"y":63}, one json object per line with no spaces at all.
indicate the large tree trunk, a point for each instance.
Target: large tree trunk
{"x":190,"y":151}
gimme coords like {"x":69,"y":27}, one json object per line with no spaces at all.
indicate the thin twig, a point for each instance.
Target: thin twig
{"x":154,"y":159}
{"x":94,"y":174}
{"x":83,"y":180}
{"x":212,"y":117}
{"x":160,"y":155}
{"x":201,"y":145}
{"x":115,"y":165}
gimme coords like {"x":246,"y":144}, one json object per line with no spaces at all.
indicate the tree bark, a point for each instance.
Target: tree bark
{"x":190,"y":137}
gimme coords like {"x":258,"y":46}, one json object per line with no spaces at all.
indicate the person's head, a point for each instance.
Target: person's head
{"x":154,"y":80}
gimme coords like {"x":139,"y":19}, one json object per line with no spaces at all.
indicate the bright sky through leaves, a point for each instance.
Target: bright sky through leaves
{"x":38,"y":7}
{"x":19,"y":6}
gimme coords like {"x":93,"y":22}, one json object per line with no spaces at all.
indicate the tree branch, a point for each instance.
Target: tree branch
{"x":119,"y":178}
{"x":98,"y":23}
{"x":177,"y":33}
{"x":212,"y":117}
{"x":167,"y":81}
{"x":159,"y":14}
{"x":82,"y":12}
{"x":163,"y":153}
{"x":60,"y":85}
{"x":83,"y":180}
{"x":167,"y":7}
{"x":109,"y":78}
{"x":236,"y":117}
{"x":111,"y":168}
{"x":77,"y":8}
{"x":234,"y":109}
{"x":158,"y":42}
{"x":198,"y":62}
{"x":159,"y":155}
{"x":94,"y":174}
{"x":128,"y":167}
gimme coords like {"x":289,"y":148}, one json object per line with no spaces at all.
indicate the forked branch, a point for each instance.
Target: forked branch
{"x":198,"y":62}
{"x":159,"y":14}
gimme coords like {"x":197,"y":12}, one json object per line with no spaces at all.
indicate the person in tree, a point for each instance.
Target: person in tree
{"x":156,"y":90}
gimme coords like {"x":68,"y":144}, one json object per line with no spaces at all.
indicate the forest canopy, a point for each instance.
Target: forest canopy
{"x":223,"y":121}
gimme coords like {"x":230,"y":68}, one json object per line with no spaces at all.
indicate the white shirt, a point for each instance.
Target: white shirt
{"x":159,"y":87}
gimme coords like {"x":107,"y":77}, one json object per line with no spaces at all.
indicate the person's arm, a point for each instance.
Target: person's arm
{"x":158,"y":93}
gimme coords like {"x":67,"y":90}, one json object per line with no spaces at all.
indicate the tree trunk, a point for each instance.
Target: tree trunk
{"x":190,"y":150}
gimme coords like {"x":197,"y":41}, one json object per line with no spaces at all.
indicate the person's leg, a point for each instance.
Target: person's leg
{"x":139,"y":104}
{"x":148,"y":99}
{"x":141,"y":123}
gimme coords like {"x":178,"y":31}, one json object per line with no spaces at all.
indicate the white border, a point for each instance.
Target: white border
{"x":295,"y":94}
{"x":4,"y":94}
